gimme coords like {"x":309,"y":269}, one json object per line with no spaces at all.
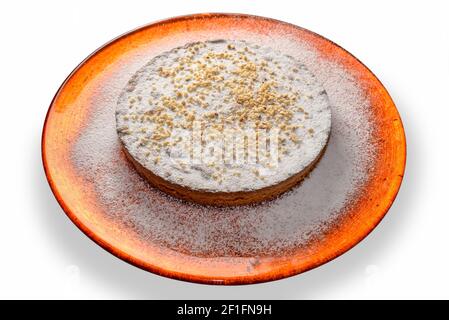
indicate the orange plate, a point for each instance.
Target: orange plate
{"x":71,"y":109}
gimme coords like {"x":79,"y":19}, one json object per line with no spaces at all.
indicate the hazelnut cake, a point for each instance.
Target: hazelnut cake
{"x":223,"y":122}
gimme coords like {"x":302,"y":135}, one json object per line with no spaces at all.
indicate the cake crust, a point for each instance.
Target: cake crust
{"x":223,"y":199}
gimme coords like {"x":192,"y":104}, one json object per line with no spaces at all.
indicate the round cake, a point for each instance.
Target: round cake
{"x":223,"y":122}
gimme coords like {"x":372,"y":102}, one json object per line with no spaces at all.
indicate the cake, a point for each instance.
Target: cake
{"x":223,"y":122}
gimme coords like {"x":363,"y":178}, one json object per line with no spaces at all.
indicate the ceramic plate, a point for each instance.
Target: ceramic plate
{"x":342,"y":200}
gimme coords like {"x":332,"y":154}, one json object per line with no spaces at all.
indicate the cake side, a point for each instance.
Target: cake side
{"x":223,"y":199}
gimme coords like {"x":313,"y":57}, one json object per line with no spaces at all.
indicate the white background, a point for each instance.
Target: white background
{"x":43,"y":255}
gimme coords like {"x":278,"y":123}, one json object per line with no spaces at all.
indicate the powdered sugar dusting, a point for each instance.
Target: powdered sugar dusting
{"x":269,"y":228}
{"x":219,"y":85}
